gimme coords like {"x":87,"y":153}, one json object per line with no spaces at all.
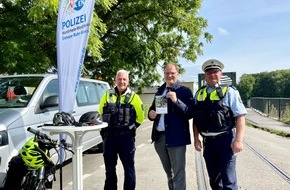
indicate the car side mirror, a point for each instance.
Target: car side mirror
{"x":51,"y":101}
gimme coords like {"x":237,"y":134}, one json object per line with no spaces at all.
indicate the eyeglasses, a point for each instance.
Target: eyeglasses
{"x":170,"y":73}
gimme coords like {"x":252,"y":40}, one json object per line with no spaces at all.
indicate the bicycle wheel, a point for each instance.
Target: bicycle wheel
{"x":40,"y":185}
{"x":33,"y":185}
{"x":27,"y":183}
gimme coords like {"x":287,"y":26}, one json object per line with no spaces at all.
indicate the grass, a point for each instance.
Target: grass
{"x":276,"y":132}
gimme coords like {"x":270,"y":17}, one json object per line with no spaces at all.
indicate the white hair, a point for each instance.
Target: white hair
{"x":122,"y":71}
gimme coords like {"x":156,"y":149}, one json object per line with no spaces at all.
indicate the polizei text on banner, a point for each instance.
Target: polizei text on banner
{"x":74,"y":21}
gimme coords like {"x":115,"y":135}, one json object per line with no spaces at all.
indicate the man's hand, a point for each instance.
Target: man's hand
{"x":237,"y":146}
{"x":197,"y":145}
{"x":152,"y":114}
{"x":172,"y":96}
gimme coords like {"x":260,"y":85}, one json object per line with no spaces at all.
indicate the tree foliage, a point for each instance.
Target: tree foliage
{"x":273,"y":84}
{"x":136,"y":35}
{"x":246,"y":86}
{"x":26,"y":47}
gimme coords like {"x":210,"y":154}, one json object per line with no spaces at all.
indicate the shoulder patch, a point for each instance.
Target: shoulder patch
{"x":111,"y":91}
{"x":201,"y":88}
{"x":233,"y":87}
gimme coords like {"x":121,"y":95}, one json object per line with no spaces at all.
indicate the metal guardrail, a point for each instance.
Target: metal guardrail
{"x":278,"y":108}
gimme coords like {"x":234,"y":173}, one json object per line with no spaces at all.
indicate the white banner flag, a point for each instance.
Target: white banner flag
{"x":73,"y":26}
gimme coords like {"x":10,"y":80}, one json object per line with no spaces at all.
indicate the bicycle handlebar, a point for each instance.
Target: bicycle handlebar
{"x":63,"y":144}
{"x":38,"y":133}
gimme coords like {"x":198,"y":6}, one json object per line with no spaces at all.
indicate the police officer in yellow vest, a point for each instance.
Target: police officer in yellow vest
{"x":123,"y":110}
{"x":220,"y":119}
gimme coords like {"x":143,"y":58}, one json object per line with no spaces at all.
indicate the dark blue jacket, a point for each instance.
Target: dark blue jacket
{"x":177,"y":119}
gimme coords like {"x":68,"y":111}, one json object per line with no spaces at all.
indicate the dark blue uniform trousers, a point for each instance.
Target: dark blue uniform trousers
{"x":124,"y":146}
{"x":220,"y":162}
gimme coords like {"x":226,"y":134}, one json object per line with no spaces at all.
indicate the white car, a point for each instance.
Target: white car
{"x":31,"y":101}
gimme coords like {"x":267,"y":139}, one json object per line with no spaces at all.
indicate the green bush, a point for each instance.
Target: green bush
{"x":286,"y":115}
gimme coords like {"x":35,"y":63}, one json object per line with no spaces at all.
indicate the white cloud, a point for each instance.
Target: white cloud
{"x":223,"y":31}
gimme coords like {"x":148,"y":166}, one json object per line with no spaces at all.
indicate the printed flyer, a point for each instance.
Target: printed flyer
{"x":161,"y":104}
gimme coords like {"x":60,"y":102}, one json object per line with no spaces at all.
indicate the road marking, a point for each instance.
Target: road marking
{"x":146,"y":127}
{"x":139,"y":146}
{"x":84,"y":177}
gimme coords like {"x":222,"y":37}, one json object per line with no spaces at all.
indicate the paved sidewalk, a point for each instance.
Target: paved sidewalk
{"x":266,"y":123}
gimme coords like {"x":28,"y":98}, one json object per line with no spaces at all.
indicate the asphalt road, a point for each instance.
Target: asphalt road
{"x":149,"y":172}
{"x":252,"y":171}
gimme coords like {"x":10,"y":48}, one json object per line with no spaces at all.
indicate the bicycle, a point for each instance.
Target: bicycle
{"x":38,"y":170}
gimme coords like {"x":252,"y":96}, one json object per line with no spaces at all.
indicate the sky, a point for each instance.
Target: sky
{"x":250,"y":36}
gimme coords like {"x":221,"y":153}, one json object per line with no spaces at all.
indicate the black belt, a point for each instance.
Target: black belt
{"x":216,"y":136}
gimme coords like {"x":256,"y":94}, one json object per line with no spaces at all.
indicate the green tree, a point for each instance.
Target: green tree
{"x":246,"y":86}
{"x":265,"y":84}
{"x":25,"y":47}
{"x":135,"y":35}
{"x":283,"y":81}
{"x":286,"y":91}
{"x":28,"y":35}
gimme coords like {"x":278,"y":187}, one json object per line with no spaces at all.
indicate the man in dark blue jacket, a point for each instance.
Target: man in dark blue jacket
{"x":171,"y":110}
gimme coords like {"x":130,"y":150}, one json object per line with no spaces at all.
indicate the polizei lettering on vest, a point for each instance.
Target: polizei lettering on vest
{"x":74,"y":21}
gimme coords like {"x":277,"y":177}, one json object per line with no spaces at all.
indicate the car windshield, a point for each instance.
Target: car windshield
{"x":17,"y":91}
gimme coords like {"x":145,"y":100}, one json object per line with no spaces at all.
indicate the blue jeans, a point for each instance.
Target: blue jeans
{"x":124,"y":146}
{"x":173,"y":162}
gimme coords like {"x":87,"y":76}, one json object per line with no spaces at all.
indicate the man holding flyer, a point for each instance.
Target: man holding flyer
{"x":170,"y":132}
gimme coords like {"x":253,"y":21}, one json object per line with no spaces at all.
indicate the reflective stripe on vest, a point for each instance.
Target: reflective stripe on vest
{"x":202,"y":94}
